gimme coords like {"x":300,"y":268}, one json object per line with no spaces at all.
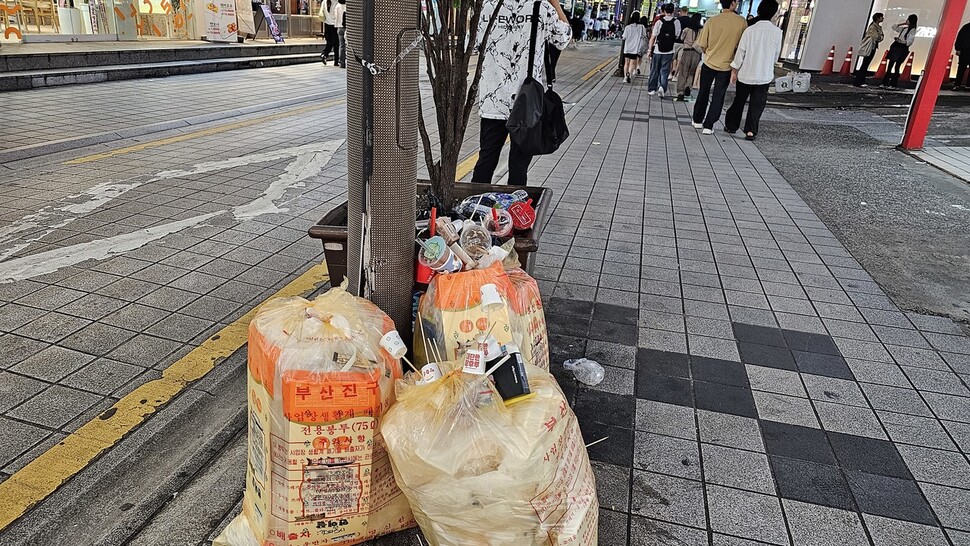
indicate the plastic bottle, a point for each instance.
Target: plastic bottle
{"x":585,"y":370}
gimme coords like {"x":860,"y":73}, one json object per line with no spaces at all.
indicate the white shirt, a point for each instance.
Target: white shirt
{"x":338,"y":14}
{"x":507,"y":53}
{"x":633,"y":38}
{"x":906,"y":36}
{"x":757,"y":52}
{"x":656,"y":32}
{"x":597,"y":24}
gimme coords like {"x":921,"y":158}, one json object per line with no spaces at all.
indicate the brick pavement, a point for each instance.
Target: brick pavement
{"x":760,"y":386}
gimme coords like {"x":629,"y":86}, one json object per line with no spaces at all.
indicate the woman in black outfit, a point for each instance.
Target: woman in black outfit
{"x":899,"y":51}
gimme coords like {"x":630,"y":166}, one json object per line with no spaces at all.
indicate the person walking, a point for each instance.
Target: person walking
{"x":868,"y":48}
{"x":718,"y":40}
{"x":330,"y":32}
{"x":634,"y":42}
{"x":662,"y":41}
{"x":962,"y":47}
{"x":753,"y":69}
{"x":578,"y":27}
{"x":504,"y":69}
{"x":899,"y":50}
{"x":597,"y":25}
{"x":339,"y":13}
{"x":689,"y":57}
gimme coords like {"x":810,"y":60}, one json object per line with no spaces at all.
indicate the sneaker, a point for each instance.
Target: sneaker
{"x":661,"y":92}
{"x":652,"y":93}
{"x":697,"y":125}
{"x":708,"y":131}
{"x":680,"y":98}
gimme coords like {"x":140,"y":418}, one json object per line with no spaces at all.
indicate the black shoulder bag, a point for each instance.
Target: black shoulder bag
{"x":537,"y":122}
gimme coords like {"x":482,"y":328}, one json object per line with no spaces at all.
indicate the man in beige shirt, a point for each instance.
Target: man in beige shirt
{"x":719,"y":40}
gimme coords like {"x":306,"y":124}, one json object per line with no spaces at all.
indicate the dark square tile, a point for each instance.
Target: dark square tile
{"x":605,"y":408}
{"x":762,"y":335}
{"x":616,"y":313}
{"x":716,"y":370}
{"x":663,"y":362}
{"x":574,"y":308}
{"x":725,"y":399}
{"x":563,"y":347}
{"x":796,"y":442}
{"x":823,"y":364}
{"x":889,"y":497}
{"x":869,"y":455}
{"x":766,"y":355}
{"x":624,"y":334}
{"x":810,"y":342}
{"x":663,"y":388}
{"x":616,"y":449}
{"x":567,"y":326}
{"x":815,"y":483}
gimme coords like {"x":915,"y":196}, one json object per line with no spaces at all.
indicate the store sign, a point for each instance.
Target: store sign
{"x":220,"y":20}
{"x":274,"y":29}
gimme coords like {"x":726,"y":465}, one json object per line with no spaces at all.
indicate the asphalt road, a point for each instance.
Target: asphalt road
{"x":906,"y":222}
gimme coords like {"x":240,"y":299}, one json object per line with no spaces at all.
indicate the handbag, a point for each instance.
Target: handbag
{"x":537,"y":122}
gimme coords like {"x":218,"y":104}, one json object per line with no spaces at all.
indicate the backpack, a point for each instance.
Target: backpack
{"x":667,"y":36}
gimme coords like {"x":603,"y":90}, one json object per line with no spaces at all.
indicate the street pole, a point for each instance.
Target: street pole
{"x":382,"y":145}
{"x":928,"y":88}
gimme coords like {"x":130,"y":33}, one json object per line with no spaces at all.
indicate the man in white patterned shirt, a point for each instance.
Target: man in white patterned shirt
{"x":505,"y":69}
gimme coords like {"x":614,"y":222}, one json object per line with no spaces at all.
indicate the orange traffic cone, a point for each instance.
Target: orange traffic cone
{"x":907,"y":75}
{"x":881,"y":71}
{"x":846,"y":69}
{"x":829,"y":63}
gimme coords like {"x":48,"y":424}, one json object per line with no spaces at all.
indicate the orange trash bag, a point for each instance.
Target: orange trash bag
{"x":480,"y":473}
{"x":452,"y":317}
{"x":319,"y":383}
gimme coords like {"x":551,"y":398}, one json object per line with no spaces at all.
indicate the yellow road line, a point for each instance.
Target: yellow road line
{"x":466,"y":166}
{"x":200,"y":133}
{"x":599,"y":67}
{"x":50,"y":470}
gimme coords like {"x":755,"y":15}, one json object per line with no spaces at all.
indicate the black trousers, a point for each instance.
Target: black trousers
{"x":892,"y":71}
{"x":552,"y":59}
{"x":757,"y":97}
{"x":863,"y":70}
{"x":491,"y":141}
{"x":333,"y":43}
{"x":721,"y":80}
{"x":963,"y":63}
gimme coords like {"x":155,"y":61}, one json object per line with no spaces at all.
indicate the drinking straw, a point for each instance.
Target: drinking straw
{"x":499,"y":363}
{"x":495,"y":217}
{"x":434,"y":216}
{"x":598,"y":441}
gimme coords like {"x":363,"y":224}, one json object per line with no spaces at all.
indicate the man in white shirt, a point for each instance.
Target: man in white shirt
{"x":504,"y":70}
{"x":663,"y":38}
{"x":753,"y":69}
{"x":597,"y":25}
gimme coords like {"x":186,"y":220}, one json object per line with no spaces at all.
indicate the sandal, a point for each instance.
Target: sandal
{"x":749,"y":136}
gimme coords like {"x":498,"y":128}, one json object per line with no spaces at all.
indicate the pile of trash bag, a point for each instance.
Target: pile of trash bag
{"x":479,"y":472}
{"x":319,"y":382}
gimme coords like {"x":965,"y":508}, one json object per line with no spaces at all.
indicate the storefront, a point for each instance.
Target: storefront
{"x":126,"y":20}
{"x":812,"y":27}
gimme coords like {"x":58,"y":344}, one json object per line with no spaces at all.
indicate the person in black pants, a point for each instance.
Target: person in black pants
{"x":330,"y":34}
{"x":868,"y":48}
{"x":962,"y":47}
{"x":551,"y":60}
{"x":899,"y":50}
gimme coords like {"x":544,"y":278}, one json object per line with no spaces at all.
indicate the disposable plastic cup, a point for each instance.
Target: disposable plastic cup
{"x":503,"y":226}
{"x":491,"y":300}
{"x":436,"y":255}
{"x":393,"y":344}
{"x":476,"y":241}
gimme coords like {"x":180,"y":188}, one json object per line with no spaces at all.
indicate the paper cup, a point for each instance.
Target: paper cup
{"x":474,"y":362}
{"x":490,"y":347}
{"x":491,"y":300}
{"x":445,"y":261}
{"x":393,"y":344}
{"x":430,"y":372}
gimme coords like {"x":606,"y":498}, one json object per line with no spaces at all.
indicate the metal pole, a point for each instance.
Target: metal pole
{"x":928,"y":87}
{"x":382,"y":108}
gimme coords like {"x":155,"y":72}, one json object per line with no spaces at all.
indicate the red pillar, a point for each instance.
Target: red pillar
{"x":928,"y":89}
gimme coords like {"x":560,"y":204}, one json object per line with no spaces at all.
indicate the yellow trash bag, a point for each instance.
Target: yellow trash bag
{"x":478,"y":473}
{"x":319,"y":382}
{"x":453,"y":319}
